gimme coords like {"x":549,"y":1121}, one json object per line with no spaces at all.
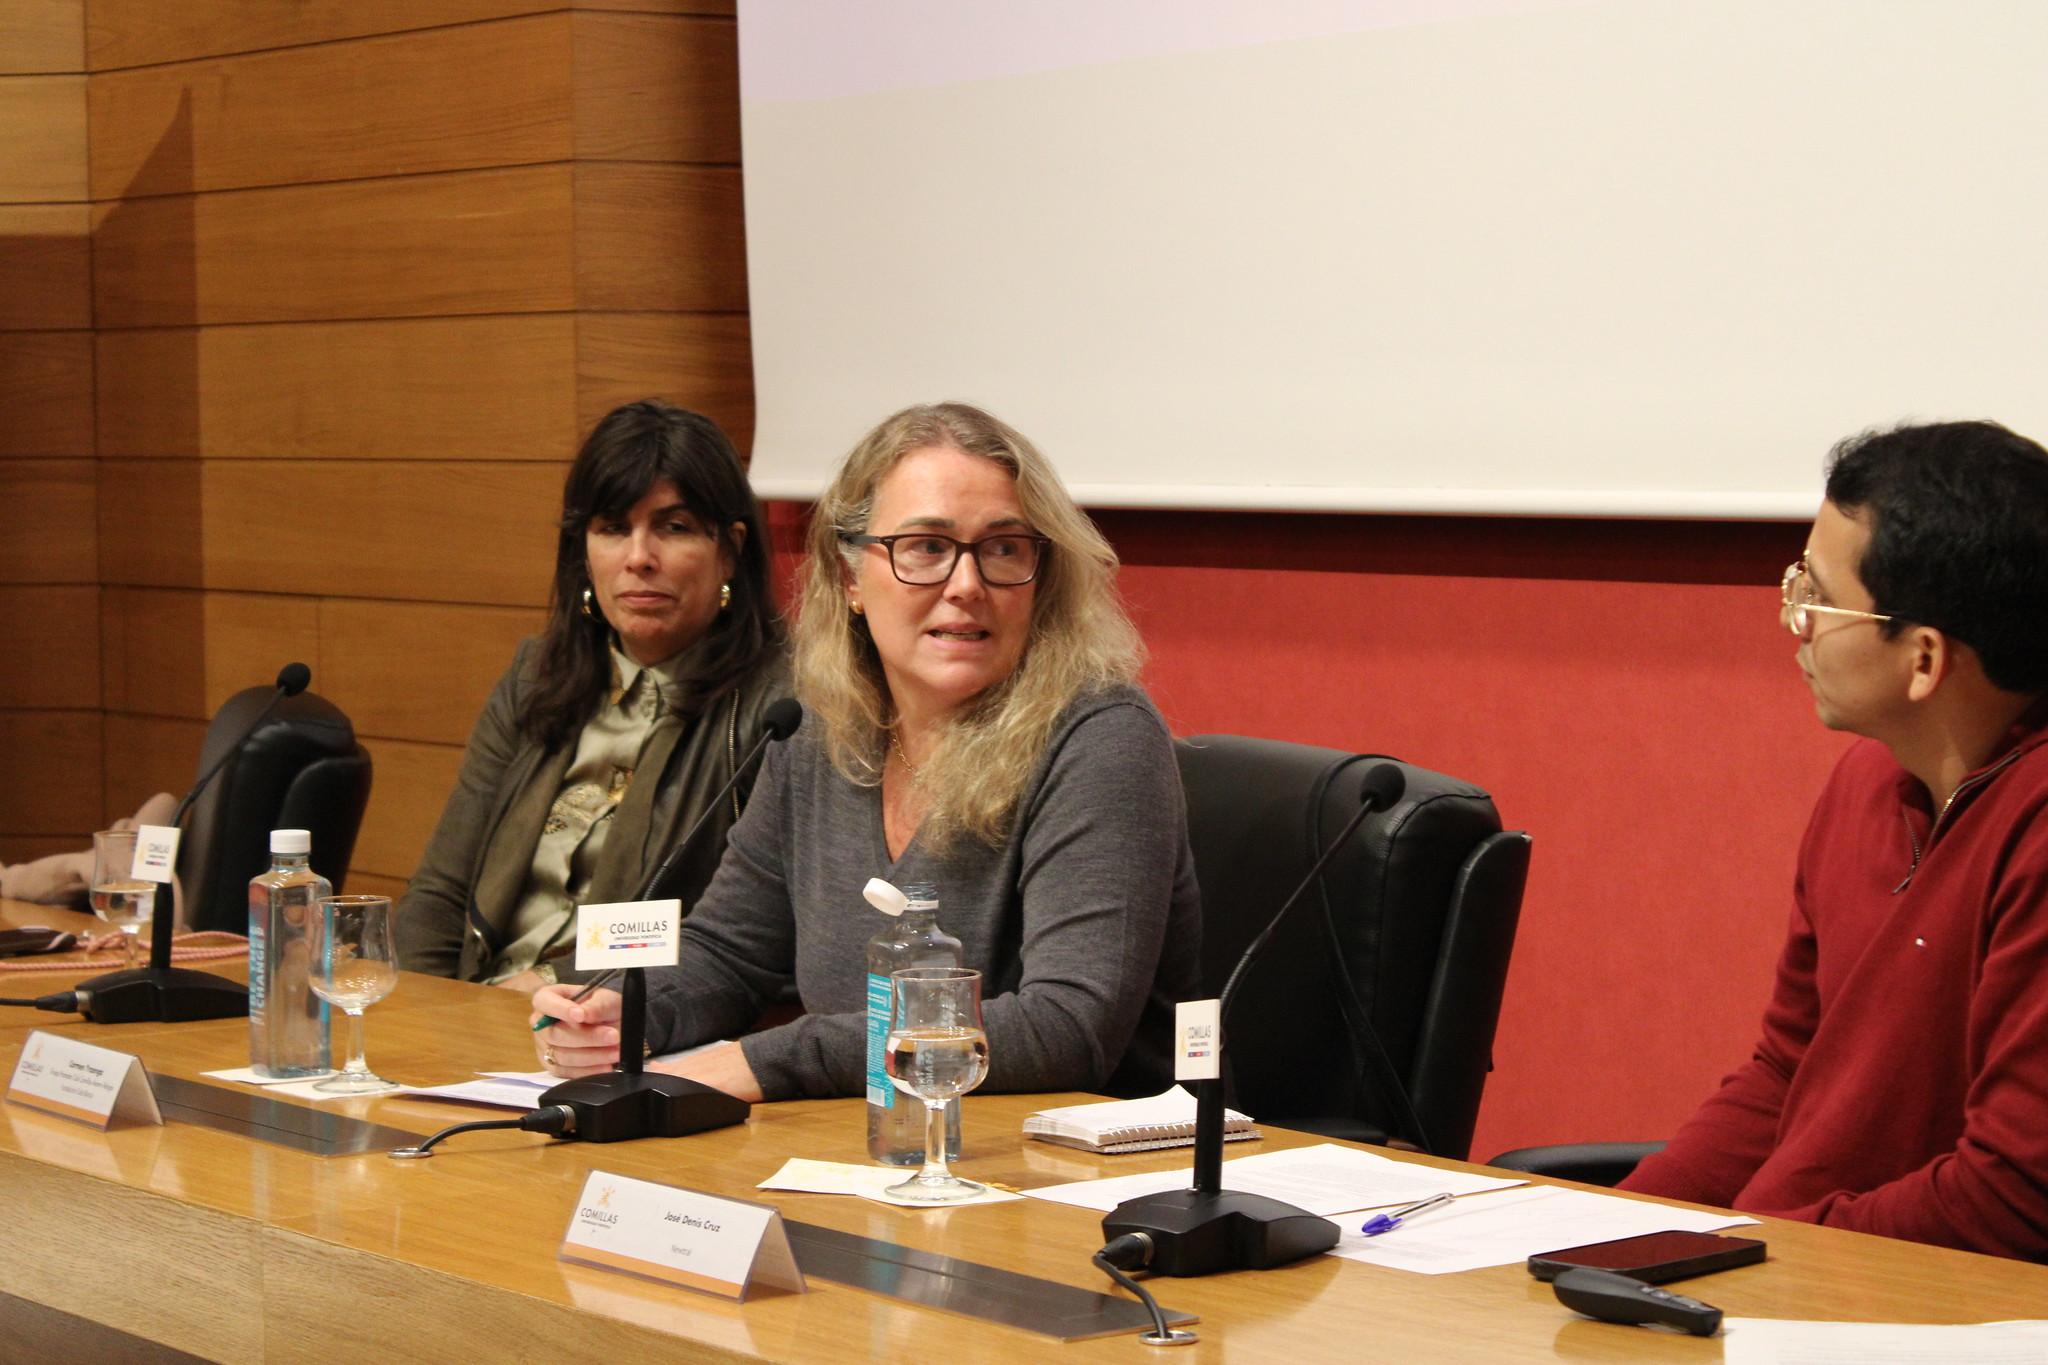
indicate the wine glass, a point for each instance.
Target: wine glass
{"x":353,"y":966}
{"x":119,"y":897}
{"x":936,"y":1052}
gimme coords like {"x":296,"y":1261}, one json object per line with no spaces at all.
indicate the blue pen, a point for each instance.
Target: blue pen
{"x":1387,"y":1222}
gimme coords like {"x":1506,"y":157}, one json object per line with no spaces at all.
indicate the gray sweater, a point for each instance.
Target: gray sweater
{"x":1084,"y":922}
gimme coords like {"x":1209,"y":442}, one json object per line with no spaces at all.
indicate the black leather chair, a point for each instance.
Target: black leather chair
{"x":1372,"y":1012}
{"x":1593,"y":1163}
{"x":301,"y":769}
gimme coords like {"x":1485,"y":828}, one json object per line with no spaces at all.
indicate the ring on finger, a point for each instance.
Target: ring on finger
{"x":547,"y":1054}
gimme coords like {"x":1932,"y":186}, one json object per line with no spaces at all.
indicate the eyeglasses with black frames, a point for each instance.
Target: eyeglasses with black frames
{"x":1796,"y":591}
{"x":924,"y":559}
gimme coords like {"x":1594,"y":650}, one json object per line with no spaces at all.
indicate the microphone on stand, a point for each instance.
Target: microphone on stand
{"x":161,"y":991}
{"x":633,"y":1102}
{"x":1206,"y":1229}
{"x":779,"y":721}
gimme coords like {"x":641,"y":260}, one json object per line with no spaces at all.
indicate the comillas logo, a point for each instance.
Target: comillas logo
{"x":590,"y":1213}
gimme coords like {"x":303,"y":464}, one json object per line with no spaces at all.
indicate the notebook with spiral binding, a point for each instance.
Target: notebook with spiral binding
{"x":1163,"y":1120}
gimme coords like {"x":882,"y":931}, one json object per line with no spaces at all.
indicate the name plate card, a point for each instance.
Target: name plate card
{"x":156,"y":853}
{"x":628,"y":934}
{"x":76,"y":1080}
{"x":699,"y":1241}
{"x":1198,"y":1044}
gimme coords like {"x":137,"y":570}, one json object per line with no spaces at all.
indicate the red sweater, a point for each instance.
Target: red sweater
{"x":1901,"y":1086}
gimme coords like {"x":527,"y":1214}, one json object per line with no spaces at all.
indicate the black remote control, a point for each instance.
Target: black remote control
{"x":1613,"y":1297}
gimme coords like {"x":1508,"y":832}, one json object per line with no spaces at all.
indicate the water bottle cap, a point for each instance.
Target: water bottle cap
{"x":291,"y":841}
{"x":885,"y":897}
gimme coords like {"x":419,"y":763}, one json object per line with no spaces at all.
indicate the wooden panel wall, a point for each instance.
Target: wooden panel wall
{"x":305,"y":308}
{"x":50,"y":743}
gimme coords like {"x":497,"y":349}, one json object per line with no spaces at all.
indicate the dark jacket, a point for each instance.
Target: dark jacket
{"x":455,"y":916}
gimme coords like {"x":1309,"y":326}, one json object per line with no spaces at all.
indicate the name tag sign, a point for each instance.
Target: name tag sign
{"x":156,"y":853}
{"x":1197,"y":1041}
{"x":628,"y":934}
{"x":699,"y":1241}
{"x":76,"y":1080}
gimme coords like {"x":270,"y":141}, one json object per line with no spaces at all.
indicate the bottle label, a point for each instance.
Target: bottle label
{"x":880,"y":1091}
{"x":258,"y":978}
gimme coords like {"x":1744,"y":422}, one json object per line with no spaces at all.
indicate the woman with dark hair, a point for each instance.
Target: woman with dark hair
{"x":616,"y":726}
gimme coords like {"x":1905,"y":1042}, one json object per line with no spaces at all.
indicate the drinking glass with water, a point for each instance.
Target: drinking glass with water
{"x":354,"y":966}
{"x":937,"y":1052}
{"x":118,"y":896}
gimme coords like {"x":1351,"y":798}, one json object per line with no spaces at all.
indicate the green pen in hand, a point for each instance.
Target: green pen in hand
{"x":549,"y":1021}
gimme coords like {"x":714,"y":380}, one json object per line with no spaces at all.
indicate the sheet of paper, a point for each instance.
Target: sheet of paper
{"x":246,"y":1075}
{"x":839,"y":1177}
{"x":1325,"y":1179}
{"x":1767,"y":1341}
{"x":303,"y":1090}
{"x":1513,"y":1225}
{"x":513,"y":1089}
{"x":492,"y":1090}
{"x":508,"y":1089}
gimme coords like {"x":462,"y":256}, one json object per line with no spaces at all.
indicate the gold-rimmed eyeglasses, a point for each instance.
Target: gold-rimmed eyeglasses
{"x":924,"y":559}
{"x":1796,"y":592}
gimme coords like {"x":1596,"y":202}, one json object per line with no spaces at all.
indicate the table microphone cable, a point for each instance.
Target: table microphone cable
{"x":61,"y":1002}
{"x":556,"y":1120}
{"x":1133,"y":1251}
{"x":93,"y":953}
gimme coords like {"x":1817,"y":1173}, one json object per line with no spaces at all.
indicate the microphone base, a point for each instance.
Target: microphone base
{"x":1196,"y":1232}
{"x":165,"y":994}
{"x":617,"y":1107}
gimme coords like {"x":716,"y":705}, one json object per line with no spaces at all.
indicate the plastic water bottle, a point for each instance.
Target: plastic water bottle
{"x":896,"y":1121}
{"x":289,"y":1029}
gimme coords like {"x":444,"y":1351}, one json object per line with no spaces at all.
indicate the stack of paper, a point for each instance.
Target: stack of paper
{"x":1325,"y":1179}
{"x":1488,"y":1223}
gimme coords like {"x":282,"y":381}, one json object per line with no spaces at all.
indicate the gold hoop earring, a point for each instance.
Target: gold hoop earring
{"x":586,"y":605}
{"x":724,"y":596}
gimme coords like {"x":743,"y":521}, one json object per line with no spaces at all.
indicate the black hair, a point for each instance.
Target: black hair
{"x":1958,"y":519}
{"x":631,"y":449}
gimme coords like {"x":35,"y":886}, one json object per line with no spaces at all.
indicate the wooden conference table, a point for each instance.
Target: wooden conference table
{"x":232,"y":1249}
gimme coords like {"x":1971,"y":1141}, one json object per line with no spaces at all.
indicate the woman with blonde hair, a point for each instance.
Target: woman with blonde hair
{"x":971,"y":721}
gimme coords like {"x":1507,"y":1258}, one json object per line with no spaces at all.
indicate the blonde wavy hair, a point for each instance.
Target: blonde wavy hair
{"x":1080,"y":639}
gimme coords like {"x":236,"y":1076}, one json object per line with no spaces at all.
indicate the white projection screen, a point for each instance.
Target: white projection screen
{"x":1621,"y":257}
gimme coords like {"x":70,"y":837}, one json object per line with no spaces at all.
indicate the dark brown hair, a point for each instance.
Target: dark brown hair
{"x":631,"y":449}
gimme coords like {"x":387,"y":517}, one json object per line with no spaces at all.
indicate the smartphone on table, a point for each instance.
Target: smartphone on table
{"x":1655,"y":1257}
{"x":34,"y":939}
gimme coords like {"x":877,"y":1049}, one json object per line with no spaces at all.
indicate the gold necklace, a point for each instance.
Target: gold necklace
{"x":896,"y":739}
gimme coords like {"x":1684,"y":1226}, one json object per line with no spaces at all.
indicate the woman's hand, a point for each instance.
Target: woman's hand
{"x":722,"y":1066}
{"x":526,"y":982}
{"x":584,"y":1039}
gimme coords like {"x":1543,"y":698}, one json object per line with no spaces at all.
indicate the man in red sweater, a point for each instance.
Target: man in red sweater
{"x":1901,"y":1084}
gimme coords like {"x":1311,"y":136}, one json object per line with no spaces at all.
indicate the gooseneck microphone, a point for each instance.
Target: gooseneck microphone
{"x":1206,"y":1229}
{"x":161,"y":991}
{"x":633,"y":1102}
{"x":779,"y":721}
